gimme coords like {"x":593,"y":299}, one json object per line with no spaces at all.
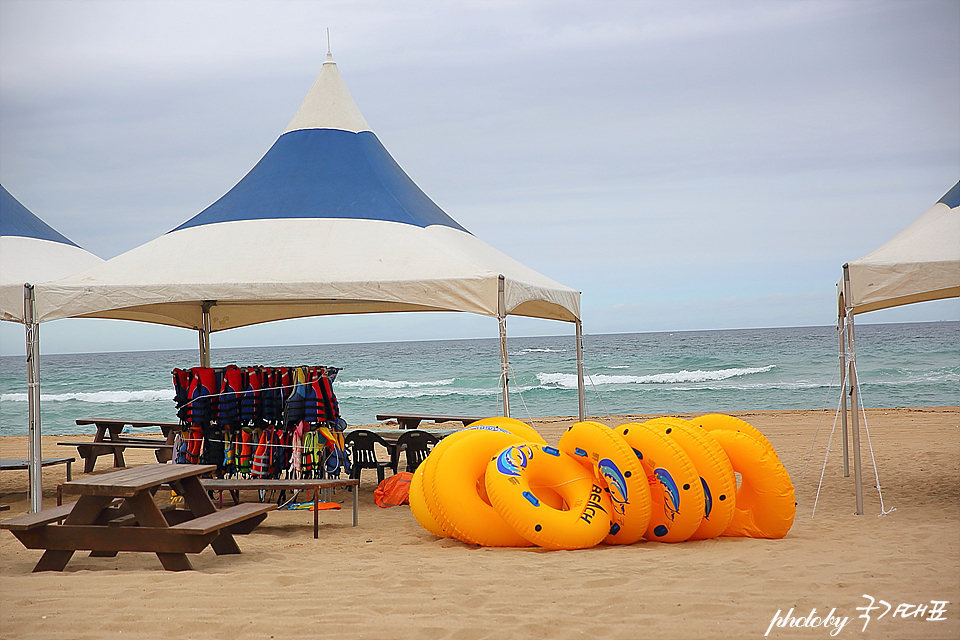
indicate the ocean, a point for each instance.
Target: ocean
{"x":899,"y":365}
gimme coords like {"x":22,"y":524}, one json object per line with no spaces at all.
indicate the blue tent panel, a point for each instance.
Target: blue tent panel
{"x":952,"y":197}
{"x":17,"y":220}
{"x":326,"y":173}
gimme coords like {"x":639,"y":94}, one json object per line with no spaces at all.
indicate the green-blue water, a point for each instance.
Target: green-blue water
{"x":697,"y":371}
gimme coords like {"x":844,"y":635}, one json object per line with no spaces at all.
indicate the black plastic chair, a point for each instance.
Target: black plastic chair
{"x":362,"y":444}
{"x":417,"y":444}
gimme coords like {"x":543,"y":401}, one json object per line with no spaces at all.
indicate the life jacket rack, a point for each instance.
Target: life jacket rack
{"x":260,"y":422}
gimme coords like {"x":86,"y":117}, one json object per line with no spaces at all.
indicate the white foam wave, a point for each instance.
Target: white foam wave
{"x":96,"y":397}
{"x":389,"y":394}
{"x":375,"y":383}
{"x":538,"y":350}
{"x":569,"y":381}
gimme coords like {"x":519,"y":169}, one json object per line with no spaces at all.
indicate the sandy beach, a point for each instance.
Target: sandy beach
{"x":389,"y":578}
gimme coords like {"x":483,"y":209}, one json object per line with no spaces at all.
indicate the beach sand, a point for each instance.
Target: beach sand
{"x":389,"y":578}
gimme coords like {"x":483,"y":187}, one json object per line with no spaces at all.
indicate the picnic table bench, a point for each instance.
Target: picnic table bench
{"x":235,"y":485}
{"x":109,"y":439}
{"x":412,"y":420}
{"x":116,"y":512}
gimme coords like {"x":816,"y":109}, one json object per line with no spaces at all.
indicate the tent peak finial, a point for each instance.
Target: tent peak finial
{"x":329,"y":58}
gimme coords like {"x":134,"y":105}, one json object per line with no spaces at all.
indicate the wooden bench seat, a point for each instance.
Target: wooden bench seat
{"x":223,"y":518}
{"x":41,"y":518}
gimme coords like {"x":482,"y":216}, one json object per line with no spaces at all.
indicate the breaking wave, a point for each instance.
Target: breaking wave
{"x":96,"y":397}
{"x":569,"y":381}
{"x":390,"y":384}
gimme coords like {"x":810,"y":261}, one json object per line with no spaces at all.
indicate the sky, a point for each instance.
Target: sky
{"x":686,"y":165}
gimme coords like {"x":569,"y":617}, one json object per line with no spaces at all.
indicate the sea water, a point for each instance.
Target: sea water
{"x":637,"y":373}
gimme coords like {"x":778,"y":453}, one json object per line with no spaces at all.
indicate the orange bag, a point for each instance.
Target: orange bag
{"x":393,"y":491}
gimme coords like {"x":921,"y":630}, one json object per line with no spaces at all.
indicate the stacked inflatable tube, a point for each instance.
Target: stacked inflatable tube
{"x":497,"y":483}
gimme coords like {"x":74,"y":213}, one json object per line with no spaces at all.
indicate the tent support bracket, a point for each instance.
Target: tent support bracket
{"x":205,"y":332}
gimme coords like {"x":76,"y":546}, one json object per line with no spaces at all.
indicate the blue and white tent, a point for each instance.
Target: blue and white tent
{"x":31,"y":251}
{"x":325,"y":223}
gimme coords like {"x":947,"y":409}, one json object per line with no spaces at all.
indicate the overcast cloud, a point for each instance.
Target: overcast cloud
{"x":686,"y":165}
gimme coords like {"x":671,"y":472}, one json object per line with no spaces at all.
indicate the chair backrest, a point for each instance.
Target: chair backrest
{"x":417,"y":444}
{"x":362,"y":443}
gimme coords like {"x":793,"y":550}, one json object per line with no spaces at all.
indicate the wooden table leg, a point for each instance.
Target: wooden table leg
{"x":115,"y":432}
{"x":149,"y":515}
{"x":316,"y":512}
{"x":356,"y":504}
{"x":200,"y":504}
{"x":84,"y":512}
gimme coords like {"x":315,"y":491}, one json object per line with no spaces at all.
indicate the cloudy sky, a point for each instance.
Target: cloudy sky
{"x":686,"y":165}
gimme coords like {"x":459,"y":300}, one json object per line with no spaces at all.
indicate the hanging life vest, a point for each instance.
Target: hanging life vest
{"x":228,"y":403}
{"x":251,"y":409}
{"x":200,"y":395}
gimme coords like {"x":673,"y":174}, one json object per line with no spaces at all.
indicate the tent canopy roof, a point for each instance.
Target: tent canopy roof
{"x":325,"y":223}
{"x":920,"y":263}
{"x":31,"y":251}
{"x":18,"y":221}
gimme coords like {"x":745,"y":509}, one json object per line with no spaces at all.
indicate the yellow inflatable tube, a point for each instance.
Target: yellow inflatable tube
{"x":451,"y":489}
{"x":418,"y":506}
{"x":765,"y":500}
{"x":714,"y":421}
{"x":616,"y":467}
{"x":513,"y":426}
{"x":716,"y":473}
{"x":675,"y":487}
{"x":516,"y":475}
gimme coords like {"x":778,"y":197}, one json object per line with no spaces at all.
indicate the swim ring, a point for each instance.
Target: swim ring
{"x":418,"y":506}
{"x":675,"y":487}
{"x":765,"y":506}
{"x":512,"y":425}
{"x":613,"y":463}
{"x":714,"y":421}
{"x":450,"y":489}
{"x":716,"y":473}
{"x":516,"y":475}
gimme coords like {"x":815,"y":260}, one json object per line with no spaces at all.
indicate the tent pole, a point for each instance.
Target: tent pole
{"x":854,"y":414}
{"x":205,"y":333}
{"x":843,"y":398}
{"x":504,"y":365}
{"x":32,"y":329}
{"x":581,"y":392}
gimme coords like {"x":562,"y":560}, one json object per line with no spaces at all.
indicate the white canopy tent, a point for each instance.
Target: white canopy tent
{"x":919,"y":264}
{"x":31,"y":251}
{"x":325,"y":223}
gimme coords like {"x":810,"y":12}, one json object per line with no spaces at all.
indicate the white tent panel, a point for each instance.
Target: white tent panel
{"x":30,"y":260}
{"x":920,"y":263}
{"x":262,"y":270}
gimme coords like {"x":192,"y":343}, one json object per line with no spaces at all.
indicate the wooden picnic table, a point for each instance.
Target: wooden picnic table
{"x":411,"y":420}
{"x":109,"y":439}
{"x":8,"y":464}
{"x":116,"y":512}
